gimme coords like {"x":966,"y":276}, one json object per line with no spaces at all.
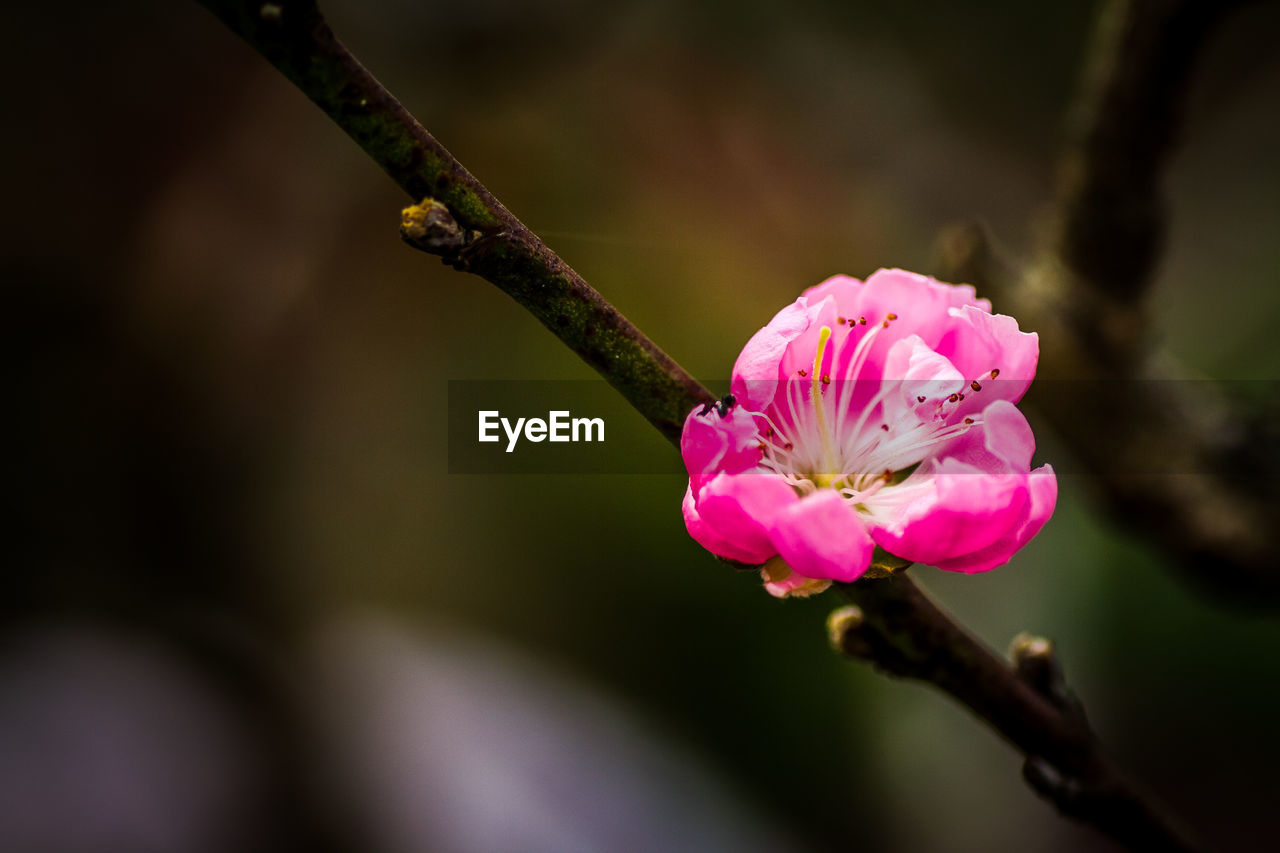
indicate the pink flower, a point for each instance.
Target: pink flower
{"x":870,"y":414}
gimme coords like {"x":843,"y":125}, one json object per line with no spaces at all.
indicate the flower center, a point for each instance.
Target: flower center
{"x":856,"y":440}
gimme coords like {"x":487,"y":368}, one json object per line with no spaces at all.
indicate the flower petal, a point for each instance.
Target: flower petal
{"x":922,"y":305}
{"x":1043,"y":486}
{"x":917,"y":288}
{"x":1003,"y":444}
{"x":734,"y":511}
{"x":821,"y":537}
{"x":921,"y":372}
{"x":842,"y":288}
{"x":953,"y":510}
{"x":977,"y":343}
{"x":755,"y":374}
{"x":711,"y":442}
{"x":802,"y":349}
{"x":711,"y":539}
{"x":892,"y":305}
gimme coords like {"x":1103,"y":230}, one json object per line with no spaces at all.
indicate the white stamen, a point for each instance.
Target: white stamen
{"x":858,"y":462}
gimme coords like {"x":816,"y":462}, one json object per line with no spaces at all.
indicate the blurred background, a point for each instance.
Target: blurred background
{"x":247,"y":608}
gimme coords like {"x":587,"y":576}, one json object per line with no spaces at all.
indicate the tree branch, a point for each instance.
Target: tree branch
{"x":456,"y":216}
{"x":896,"y":628}
{"x":1198,"y":474}
{"x":1127,"y":121}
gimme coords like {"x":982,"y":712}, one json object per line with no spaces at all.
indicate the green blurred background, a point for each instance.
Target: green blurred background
{"x":235,"y":541}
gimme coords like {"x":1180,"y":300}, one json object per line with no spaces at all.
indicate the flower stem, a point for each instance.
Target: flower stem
{"x":901,"y":632}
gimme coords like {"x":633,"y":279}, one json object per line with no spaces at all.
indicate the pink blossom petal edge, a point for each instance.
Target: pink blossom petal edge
{"x":821,"y":537}
{"x":1043,"y":491}
{"x":974,"y":510}
{"x":730,"y":515}
{"x":713,"y":442}
{"x":755,"y":374}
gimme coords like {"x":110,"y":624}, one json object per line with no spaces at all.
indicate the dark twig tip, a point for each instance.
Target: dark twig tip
{"x":1035,"y":660}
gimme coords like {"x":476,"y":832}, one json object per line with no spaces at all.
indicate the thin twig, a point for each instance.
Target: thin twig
{"x":456,"y":216}
{"x":459,"y":219}
{"x":896,"y":628}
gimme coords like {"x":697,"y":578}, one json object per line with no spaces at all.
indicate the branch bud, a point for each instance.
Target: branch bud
{"x":842,"y":631}
{"x":430,"y":226}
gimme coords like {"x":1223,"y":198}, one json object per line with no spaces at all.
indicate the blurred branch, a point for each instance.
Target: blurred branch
{"x":1110,"y":226}
{"x":894,"y":626}
{"x":456,"y":216}
{"x":1218,"y":503}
